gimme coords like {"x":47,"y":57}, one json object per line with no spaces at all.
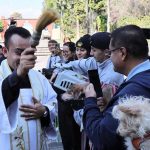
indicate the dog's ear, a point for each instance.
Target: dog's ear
{"x":130,"y":110}
{"x":116,"y":112}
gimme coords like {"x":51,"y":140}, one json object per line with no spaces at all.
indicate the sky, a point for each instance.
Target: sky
{"x":28,"y":8}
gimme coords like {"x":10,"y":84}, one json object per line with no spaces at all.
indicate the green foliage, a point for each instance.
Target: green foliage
{"x":49,"y":4}
{"x":101,"y":22}
{"x":99,"y":7}
{"x":135,"y":12}
{"x":92,"y":14}
{"x":77,"y":14}
{"x":1,"y":26}
{"x":142,"y":21}
{"x":71,"y":12}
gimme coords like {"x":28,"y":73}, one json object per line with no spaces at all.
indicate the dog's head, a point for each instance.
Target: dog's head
{"x":133,"y":114}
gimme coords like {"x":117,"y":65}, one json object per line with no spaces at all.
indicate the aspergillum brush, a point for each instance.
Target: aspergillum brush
{"x":48,"y":17}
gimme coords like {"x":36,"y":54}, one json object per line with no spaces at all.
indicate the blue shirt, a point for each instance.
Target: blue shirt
{"x":139,"y":68}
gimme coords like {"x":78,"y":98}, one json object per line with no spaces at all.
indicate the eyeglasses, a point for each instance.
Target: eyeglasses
{"x":112,"y":50}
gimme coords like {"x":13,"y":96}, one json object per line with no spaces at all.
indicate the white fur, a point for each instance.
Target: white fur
{"x":133,"y":114}
{"x":128,"y":143}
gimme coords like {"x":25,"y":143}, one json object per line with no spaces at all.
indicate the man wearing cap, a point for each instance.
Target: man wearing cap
{"x":99,"y":46}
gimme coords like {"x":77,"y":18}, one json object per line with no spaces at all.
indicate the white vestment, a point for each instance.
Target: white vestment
{"x":6,"y":126}
{"x":15,"y":132}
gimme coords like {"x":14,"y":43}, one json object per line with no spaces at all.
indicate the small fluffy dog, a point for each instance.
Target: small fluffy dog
{"x":133,"y":114}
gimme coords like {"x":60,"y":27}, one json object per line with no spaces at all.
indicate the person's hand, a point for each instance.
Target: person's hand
{"x":66,"y":96}
{"x":34,"y":111}
{"x":108,"y":92}
{"x":89,"y":91}
{"x":27,"y":61}
{"x":102,"y":103}
{"x":76,"y":90}
{"x":52,"y":77}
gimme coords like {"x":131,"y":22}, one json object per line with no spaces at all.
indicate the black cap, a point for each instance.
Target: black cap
{"x":84,"y":42}
{"x":100,"y":40}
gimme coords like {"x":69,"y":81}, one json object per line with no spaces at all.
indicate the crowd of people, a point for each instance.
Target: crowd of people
{"x":30,"y":101}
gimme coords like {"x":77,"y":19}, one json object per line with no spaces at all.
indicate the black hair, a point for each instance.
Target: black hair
{"x":132,"y":38}
{"x":84,"y":42}
{"x":55,"y":42}
{"x":13,"y":22}
{"x":71,"y":46}
{"x":52,"y":41}
{"x":1,"y":46}
{"x":24,"y":33}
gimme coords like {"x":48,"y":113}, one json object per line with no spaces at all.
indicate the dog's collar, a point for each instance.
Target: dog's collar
{"x":137,"y":141}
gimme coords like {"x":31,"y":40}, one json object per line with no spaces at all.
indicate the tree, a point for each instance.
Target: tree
{"x":135,"y":12}
{"x":88,"y":16}
{"x":79,"y":17}
{"x":16,"y":15}
{"x":1,"y":26}
{"x":49,"y":4}
{"x":100,"y":16}
{"x":72,"y":15}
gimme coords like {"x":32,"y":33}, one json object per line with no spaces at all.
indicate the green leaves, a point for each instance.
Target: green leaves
{"x":1,"y":26}
{"x":142,"y":21}
{"x":88,"y":16}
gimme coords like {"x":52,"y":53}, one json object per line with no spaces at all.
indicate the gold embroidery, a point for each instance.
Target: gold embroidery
{"x":18,"y":137}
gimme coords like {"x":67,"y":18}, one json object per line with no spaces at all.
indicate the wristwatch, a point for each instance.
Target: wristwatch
{"x":45,"y":113}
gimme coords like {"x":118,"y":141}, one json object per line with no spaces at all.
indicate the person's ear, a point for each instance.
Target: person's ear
{"x":5,"y":51}
{"x":123,"y":53}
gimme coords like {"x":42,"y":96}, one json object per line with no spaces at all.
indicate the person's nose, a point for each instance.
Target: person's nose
{"x":91,"y":53}
{"x":79,"y":52}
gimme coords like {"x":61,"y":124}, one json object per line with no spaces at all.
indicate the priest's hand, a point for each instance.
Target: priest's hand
{"x":35,"y":111}
{"x":27,"y":61}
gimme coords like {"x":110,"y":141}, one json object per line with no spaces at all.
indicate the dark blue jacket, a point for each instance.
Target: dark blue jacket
{"x":101,"y":127}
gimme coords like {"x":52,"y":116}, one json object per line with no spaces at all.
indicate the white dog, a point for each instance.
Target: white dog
{"x":133,"y":114}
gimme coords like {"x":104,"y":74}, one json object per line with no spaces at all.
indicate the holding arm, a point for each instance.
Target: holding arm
{"x":11,"y":84}
{"x":100,"y":127}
